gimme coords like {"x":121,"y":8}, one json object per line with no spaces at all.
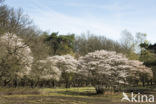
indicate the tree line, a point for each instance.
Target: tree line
{"x":35,"y":58}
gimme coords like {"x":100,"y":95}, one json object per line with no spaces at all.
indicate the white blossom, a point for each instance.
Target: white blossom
{"x":108,"y":67}
{"x":47,"y":70}
{"x":52,"y":67}
{"x":14,"y":46}
{"x":65,"y":63}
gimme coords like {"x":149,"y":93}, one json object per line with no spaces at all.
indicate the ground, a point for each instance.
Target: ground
{"x":84,"y":95}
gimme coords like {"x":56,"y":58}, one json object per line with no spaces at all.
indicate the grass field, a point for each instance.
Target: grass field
{"x":85,"y":95}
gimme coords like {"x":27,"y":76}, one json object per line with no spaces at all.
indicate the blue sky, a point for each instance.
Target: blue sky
{"x":101,"y":17}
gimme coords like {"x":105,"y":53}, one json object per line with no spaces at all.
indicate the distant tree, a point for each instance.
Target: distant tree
{"x":128,"y":43}
{"x":131,"y":44}
{"x":152,"y":48}
{"x":16,"y":22}
{"x":60,"y":44}
{"x":86,"y":43}
{"x":141,"y":38}
{"x":13,"y":21}
{"x":127,"y":40}
{"x":148,"y":56}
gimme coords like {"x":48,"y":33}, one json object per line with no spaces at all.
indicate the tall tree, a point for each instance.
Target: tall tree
{"x":148,"y":56}
{"x":129,"y":45}
{"x":60,"y":44}
{"x":86,"y":43}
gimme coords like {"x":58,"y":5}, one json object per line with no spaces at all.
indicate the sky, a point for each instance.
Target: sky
{"x":100,"y":17}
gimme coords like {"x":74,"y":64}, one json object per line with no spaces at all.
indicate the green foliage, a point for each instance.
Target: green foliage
{"x":60,"y":44}
{"x":152,"y":48}
{"x":147,"y":56}
{"x":132,"y":55}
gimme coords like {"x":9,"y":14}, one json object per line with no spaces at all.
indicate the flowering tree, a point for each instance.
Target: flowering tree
{"x":15,"y":57}
{"x":55,"y":68}
{"x":44,"y":70}
{"x":67,"y":65}
{"x":108,"y":69}
{"x":139,"y":71}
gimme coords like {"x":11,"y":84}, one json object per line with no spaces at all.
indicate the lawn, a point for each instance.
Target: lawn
{"x":84,"y":95}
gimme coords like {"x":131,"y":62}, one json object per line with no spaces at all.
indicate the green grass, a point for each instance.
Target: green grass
{"x":84,"y":95}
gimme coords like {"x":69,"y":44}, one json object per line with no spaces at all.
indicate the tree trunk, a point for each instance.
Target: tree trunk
{"x":143,"y":83}
{"x":67,"y":84}
{"x":151,"y":82}
{"x":99,"y":90}
{"x":53,"y":83}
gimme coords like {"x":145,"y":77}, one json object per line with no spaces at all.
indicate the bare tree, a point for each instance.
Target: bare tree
{"x":89,"y":43}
